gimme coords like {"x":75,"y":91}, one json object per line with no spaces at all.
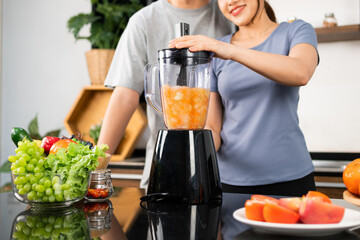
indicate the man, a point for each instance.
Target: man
{"x":148,"y":31}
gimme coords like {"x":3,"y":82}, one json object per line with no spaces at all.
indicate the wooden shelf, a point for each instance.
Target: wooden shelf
{"x":340,"y":33}
{"x":89,"y":109}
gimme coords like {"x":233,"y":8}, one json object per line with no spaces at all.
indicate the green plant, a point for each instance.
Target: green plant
{"x":94,"y":132}
{"x":107,"y":21}
{"x":33,"y":129}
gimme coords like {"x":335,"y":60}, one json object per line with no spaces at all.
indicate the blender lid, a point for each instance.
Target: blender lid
{"x":183,"y":53}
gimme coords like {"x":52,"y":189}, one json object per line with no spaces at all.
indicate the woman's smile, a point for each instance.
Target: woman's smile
{"x":236,"y":10}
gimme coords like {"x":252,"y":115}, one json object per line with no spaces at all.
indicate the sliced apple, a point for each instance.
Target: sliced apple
{"x":264,"y":198}
{"x":292,"y":203}
{"x":317,"y":194}
{"x":316,"y":211}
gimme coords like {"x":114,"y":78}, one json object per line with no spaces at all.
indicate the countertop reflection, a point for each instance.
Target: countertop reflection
{"x":123,"y":217}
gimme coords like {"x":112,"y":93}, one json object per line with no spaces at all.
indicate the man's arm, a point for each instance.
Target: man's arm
{"x":122,"y":105}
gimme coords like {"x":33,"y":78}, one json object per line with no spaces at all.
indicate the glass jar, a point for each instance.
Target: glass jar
{"x":329,"y":20}
{"x":100,"y":187}
{"x":291,"y":19}
{"x":99,"y":215}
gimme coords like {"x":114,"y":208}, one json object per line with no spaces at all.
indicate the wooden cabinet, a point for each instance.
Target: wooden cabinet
{"x":89,"y":109}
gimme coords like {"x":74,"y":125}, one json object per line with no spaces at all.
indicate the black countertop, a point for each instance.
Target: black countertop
{"x":160,"y":221}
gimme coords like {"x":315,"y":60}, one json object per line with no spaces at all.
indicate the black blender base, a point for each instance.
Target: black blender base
{"x":184,"y":168}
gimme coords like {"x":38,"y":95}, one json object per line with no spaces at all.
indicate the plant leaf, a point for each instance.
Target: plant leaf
{"x":108,"y":21}
{"x":6,"y":167}
{"x":53,"y":133}
{"x":6,"y":187}
{"x":76,"y":23}
{"x":33,"y":128}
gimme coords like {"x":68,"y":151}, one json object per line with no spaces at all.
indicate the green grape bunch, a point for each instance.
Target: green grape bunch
{"x":51,"y":226}
{"x":54,"y":178}
{"x":30,"y":175}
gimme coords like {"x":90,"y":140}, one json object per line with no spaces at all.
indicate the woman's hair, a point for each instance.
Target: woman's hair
{"x":268,"y":9}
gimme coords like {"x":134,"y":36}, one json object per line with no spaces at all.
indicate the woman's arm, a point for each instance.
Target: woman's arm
{"x":214,"y":119}
{"x":293,"y":70}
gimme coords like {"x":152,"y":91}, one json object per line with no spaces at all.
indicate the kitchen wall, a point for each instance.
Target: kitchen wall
{"x":329,"y":105}
{"x":44,"y":69}
{"x":0,"y":75}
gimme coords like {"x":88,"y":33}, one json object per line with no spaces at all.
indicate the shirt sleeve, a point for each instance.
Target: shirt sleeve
{"x":130,"y":58}
{"x":213,"y":77}
{"x":215,"y":68}
{"x":302,"y":32}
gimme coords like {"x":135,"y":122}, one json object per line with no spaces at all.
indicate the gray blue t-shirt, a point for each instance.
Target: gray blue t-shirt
{"x":262,"y":142}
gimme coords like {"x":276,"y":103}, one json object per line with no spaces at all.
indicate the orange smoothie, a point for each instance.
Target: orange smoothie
{"x":184,"y":107}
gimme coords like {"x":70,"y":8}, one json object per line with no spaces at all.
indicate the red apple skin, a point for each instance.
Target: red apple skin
{"x":315,"y":211}
{"x":292,"y":203}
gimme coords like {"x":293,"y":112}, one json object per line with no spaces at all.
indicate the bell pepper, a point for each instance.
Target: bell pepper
{"x":47,"y":142}
{"x":18,"y":134}
{"x":38,"y":142}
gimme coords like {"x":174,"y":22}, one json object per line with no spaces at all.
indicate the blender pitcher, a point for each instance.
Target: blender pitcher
{"x":184,"y":165}
{"x":182,"y":79}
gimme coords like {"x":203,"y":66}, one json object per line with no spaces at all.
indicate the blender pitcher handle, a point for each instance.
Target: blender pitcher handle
{"x":151,"y":80}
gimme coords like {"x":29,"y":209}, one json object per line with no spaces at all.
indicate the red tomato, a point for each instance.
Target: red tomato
{"x":103,"y":193}
{"x":275,"y":213}
{"x":103,"y":205}
{"x":254,"y":210}
{"x":63,"y":143}
{"x":94,"y":193}
{"x":85,"y":208}
{"x":94,"y":207}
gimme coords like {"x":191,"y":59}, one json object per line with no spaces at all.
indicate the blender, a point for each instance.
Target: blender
{"x":184,"y":166}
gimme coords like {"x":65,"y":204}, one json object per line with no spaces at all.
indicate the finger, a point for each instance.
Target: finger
{"x":186,"y":38}
{"x":175,"y":42}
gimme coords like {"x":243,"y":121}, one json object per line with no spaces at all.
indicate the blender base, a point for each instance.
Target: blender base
{"x":184,"y":168}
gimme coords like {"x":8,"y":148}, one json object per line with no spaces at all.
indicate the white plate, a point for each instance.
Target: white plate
{"x":351,"y":219}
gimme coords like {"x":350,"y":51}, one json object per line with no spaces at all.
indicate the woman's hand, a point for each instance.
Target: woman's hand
{"x":296,"y":69}
{"x":202,"y":43}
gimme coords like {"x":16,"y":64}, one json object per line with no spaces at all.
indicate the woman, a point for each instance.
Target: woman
{"x":256,"y":77}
